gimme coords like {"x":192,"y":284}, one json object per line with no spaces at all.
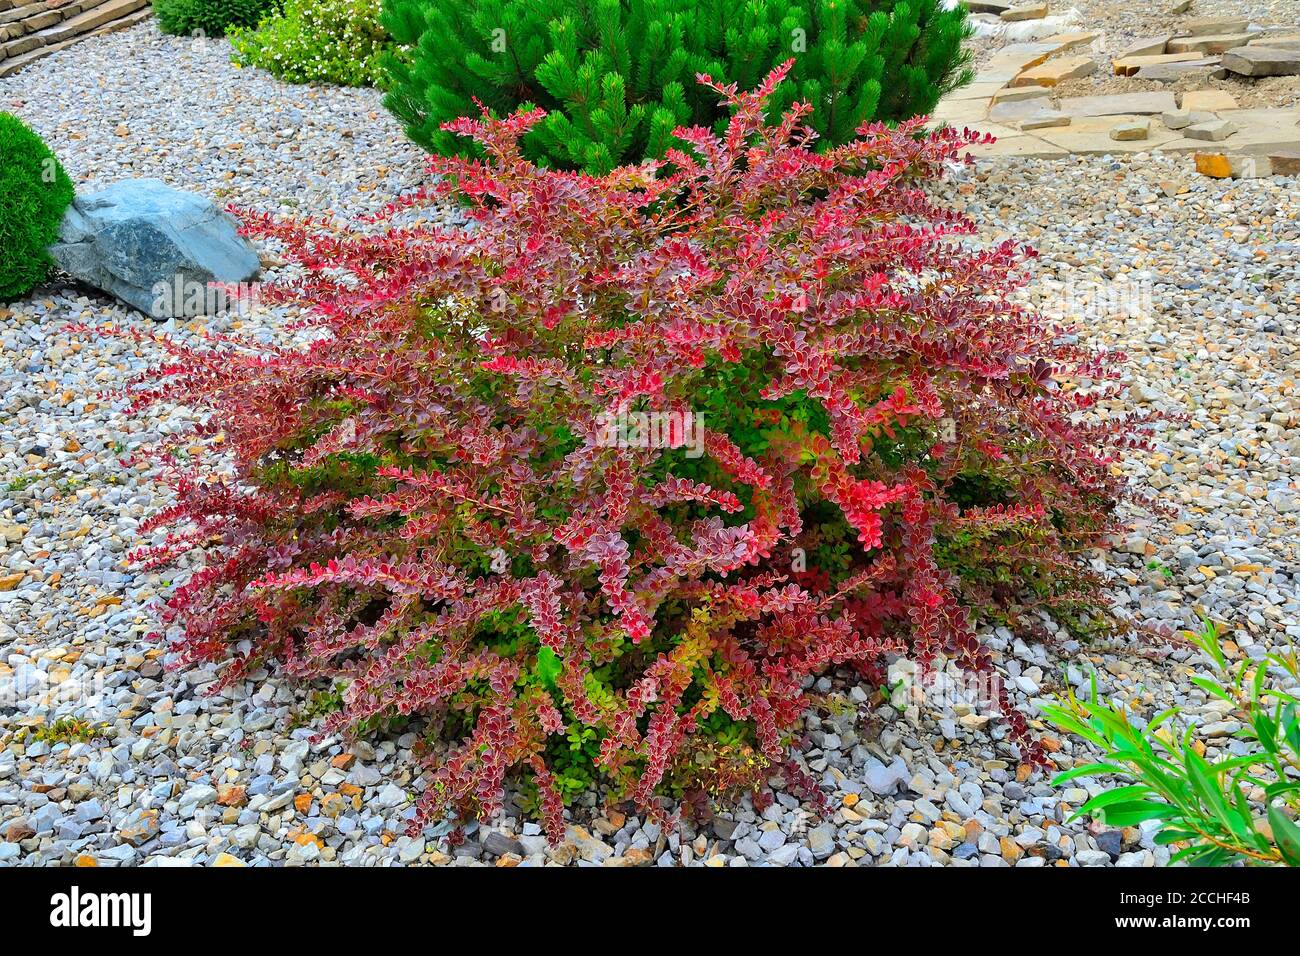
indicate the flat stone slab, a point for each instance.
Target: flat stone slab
{"x":1282,"y":41}
{"x":1024,"y":146}
{"x":1056,"y":71}
{"x":1259,"y":131}
{"x":1151,"y":46}
{"x":994,"y":7}
{"x":1285,"y":162}
{"x":1029,"y":11}
{"x":1115,"y":104}
{"x":1012,"y":142}
{"x":1021,"y":56}
{"x":960,"y":112}
{"x":1068,"y":41}
{"x":1211,"y":101}
{"x":976,"y":91}
{"x":1015,"y":94}
{"x":1207,"y":26}
{"x":1018,"y":110}
{"x":1046,"y":119}
{"x":1090,"y":136}
{"x":1262,"y":61}
{"x":1173,"y":72}
{"x":1129,"y":65}
{"x":1210,"y":44}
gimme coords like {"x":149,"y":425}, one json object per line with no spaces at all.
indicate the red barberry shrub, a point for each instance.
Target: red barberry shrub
{"x":422,"y":498}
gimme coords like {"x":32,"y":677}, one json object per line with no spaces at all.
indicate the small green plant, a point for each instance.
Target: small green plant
{"x":67,"y":730}
{"x":317,"y":41}
{"x":1204,"y":807}
{"x":212,"y":18}
{"x":34,"y":193}
{"x":320,"y":704}
{"x":1163,"y":568}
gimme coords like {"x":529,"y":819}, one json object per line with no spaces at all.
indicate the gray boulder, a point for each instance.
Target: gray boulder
{"x":155,"y":248}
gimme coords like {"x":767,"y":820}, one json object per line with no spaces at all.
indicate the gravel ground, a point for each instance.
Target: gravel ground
{"x":171,"y":776}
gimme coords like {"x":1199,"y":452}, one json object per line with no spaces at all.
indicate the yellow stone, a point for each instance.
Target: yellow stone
{"x":331,"y":805}
{"x":1011,"y":850}
{"x":1068,"y":41}
{"x":1215,"y":165}
{"x":1054,"y":72}
{"x":1210,"y":101}
{"x":225,"y":859}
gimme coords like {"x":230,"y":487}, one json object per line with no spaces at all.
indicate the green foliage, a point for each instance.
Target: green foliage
{"x":67,"y":730}
{"x":617,"y":76}
{"x":1203,"y":804}
{"x":317,"y":41}
{"x":211,"y":18}
{"x":34,"y":193}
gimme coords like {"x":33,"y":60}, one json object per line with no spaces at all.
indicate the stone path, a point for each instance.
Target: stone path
{"x":32,"y":29}
{"x":1017,"y":96}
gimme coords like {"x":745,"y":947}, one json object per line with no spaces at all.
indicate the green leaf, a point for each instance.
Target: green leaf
{"x":1285,"y":834}
{"x":548,"y":667}
{"x":1117,"y":811}
{"x":1087,"y":770}
{"x":1201,"y":855}
{"x":1204,"y":781}
{"x":1212,"y":687}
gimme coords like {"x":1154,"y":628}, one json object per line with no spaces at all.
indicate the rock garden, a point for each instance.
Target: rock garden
{"x":398,"y":468}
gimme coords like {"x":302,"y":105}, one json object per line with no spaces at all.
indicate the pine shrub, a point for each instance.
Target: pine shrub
{"x":34,"y":194}
{"x":430,"y":500}
{"x":211,"y":18}
{"x":617,"y":76}
{"x":317,"y":41}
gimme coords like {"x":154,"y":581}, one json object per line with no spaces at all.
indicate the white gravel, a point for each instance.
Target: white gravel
{"x":1213,"y":265}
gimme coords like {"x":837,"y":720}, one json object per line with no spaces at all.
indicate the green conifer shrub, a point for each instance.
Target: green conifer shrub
{"x":617,"y":76}
{"x":34,"y":193}
{"x":211,"y":18}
